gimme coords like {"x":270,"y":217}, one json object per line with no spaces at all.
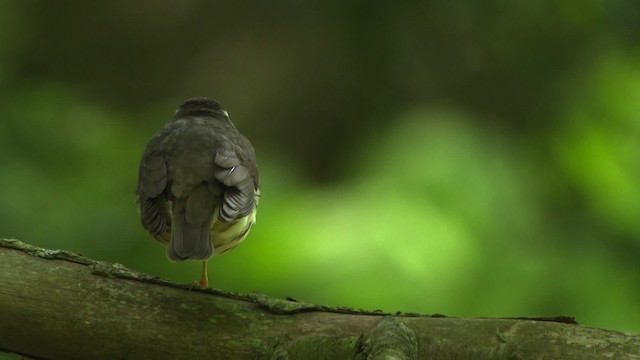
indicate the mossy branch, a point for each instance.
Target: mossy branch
{"x":55,"y":304}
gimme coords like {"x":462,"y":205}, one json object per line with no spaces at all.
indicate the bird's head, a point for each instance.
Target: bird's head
{"x":201,"y":106}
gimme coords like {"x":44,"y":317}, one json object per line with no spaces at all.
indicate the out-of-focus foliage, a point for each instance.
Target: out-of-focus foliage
{"x":467,"y":158}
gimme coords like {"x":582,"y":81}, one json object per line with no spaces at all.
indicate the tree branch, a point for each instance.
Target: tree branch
{"x":55,"y":304}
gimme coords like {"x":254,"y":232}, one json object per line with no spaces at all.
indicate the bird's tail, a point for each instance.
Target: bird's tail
{"x":192,"y":220}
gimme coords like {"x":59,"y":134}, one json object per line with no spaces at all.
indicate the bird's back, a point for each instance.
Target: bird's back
{"x":195,"y":189}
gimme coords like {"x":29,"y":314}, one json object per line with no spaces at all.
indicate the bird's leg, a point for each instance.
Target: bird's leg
{"x":204,"y":279}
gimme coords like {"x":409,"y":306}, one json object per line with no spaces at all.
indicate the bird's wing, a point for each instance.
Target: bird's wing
{"x":152,"y":181}
{"x":239,"y":198}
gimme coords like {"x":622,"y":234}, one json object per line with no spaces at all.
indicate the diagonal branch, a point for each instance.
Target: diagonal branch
{"x":58,"y":305}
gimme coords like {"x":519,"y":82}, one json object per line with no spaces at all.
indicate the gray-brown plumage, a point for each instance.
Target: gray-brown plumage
{"x":198,"y":183}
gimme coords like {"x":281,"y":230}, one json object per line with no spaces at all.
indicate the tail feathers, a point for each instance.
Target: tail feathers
{"x":188,"y":241}
{"x":190,"y":232}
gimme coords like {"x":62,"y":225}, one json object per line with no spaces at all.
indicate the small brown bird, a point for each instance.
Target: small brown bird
{"x":198,"y":184}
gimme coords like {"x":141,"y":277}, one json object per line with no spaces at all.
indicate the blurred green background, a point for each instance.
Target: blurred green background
{"x":470,"y":158}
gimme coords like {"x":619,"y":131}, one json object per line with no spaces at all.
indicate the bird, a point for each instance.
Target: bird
{"x":198,"y":184}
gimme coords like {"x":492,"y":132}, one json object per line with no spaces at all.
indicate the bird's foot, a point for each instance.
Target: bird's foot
{"x":204,"y":279}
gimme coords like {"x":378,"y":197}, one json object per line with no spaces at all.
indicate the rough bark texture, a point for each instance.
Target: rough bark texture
{"x":57,"y":305}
